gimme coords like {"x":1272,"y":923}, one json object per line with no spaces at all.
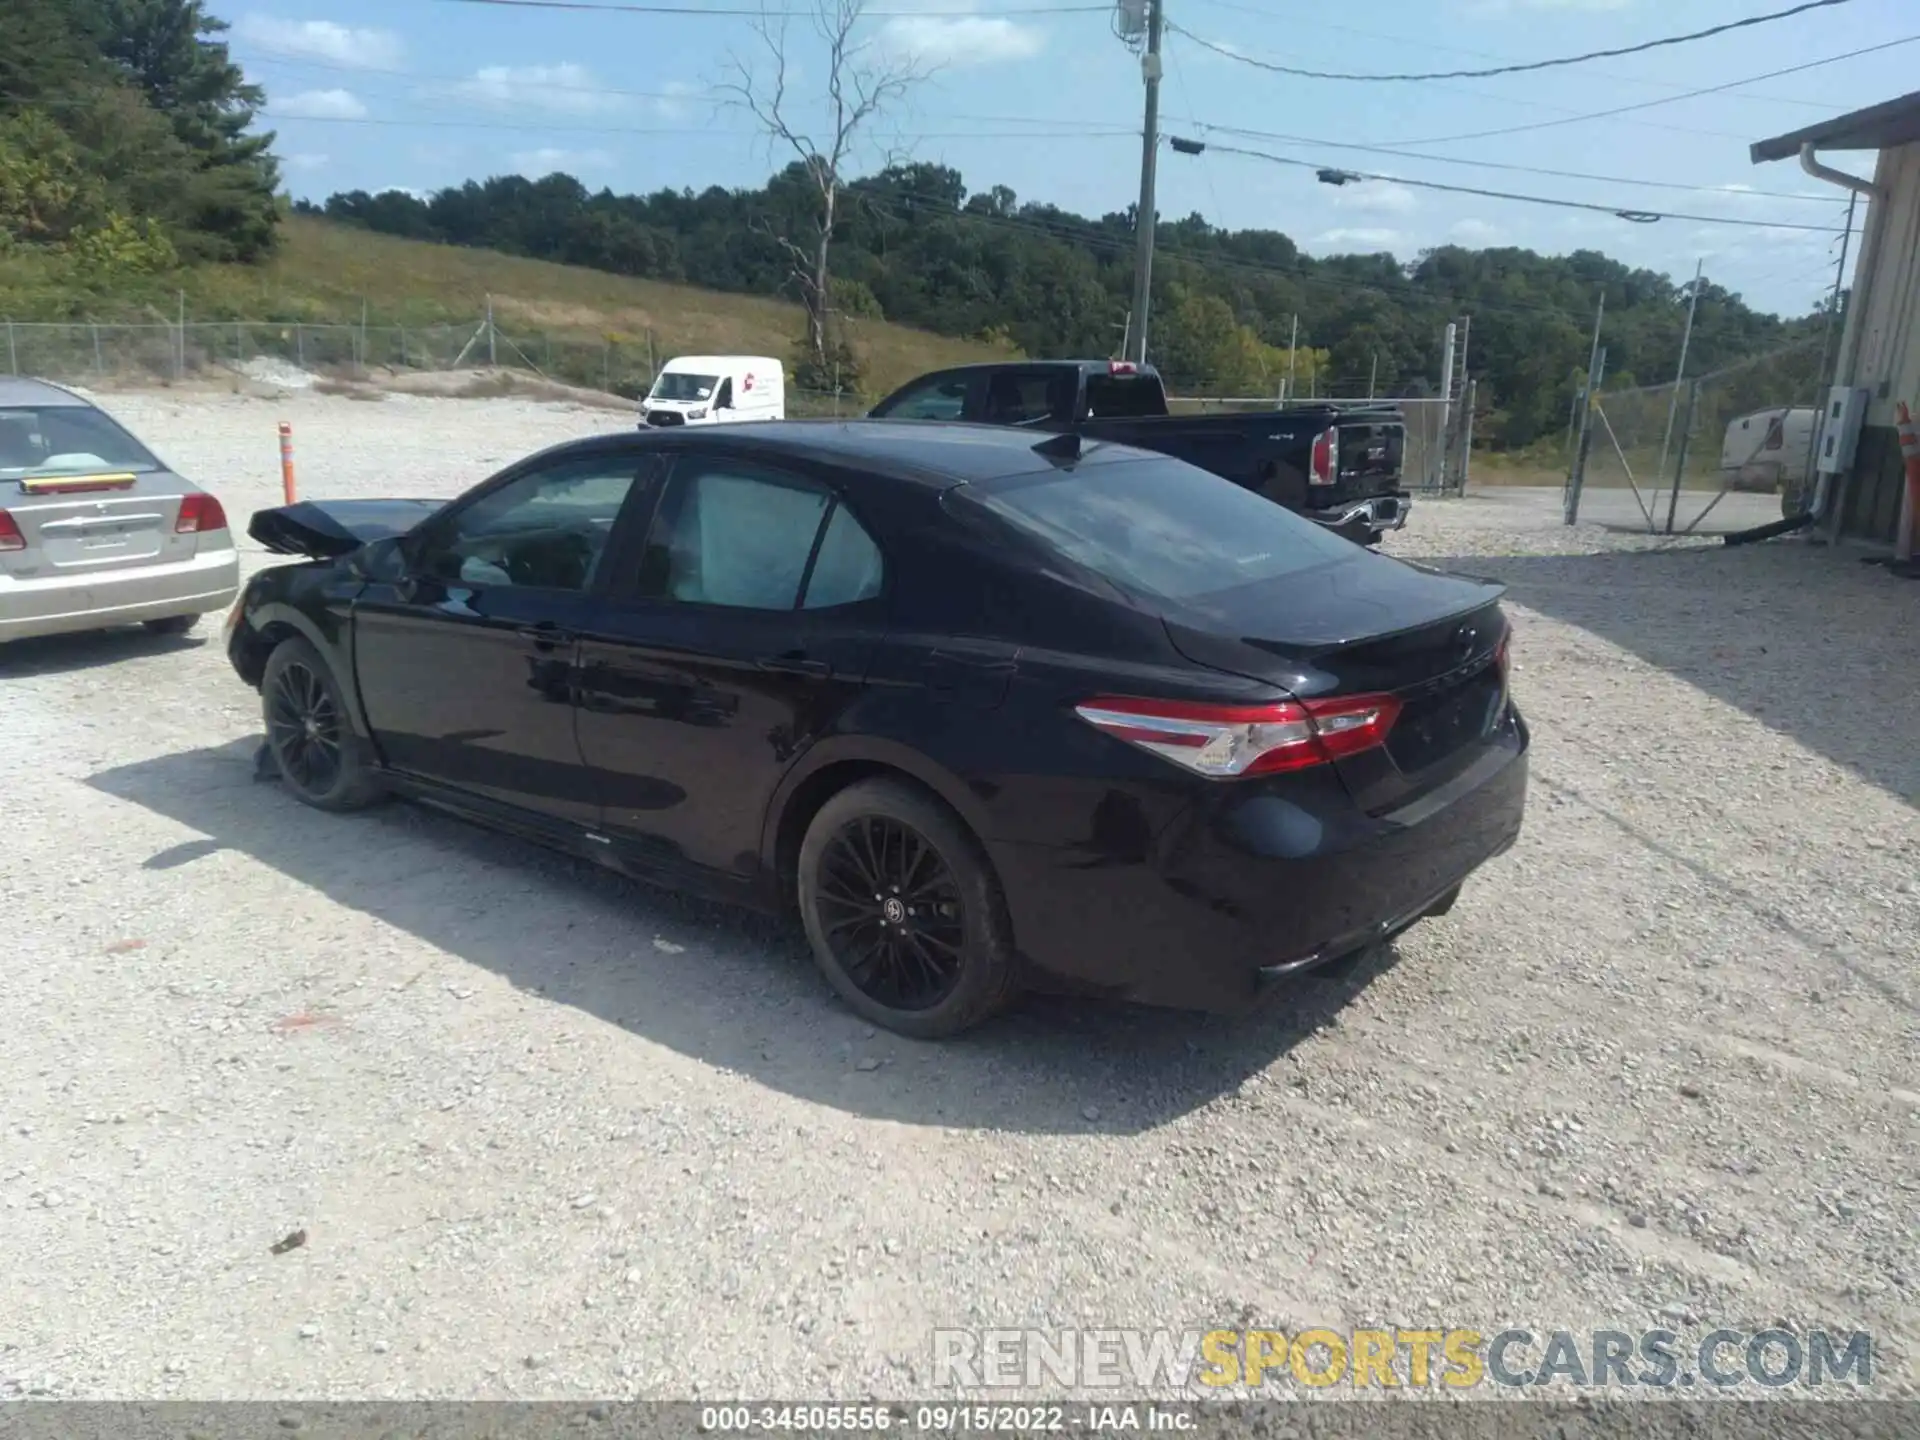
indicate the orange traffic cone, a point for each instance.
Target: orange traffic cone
{"x":1910,"y":502}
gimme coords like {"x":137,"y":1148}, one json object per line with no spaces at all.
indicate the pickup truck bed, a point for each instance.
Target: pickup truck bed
{"x":1337,"y":465}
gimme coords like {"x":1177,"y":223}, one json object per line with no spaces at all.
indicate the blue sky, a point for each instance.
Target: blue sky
{"x":1040,"y":96}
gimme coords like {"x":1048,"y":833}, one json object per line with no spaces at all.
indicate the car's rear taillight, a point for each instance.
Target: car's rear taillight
{"x":1226,"y":741}
{"x":10,"y":536}
{"x":199,"y":513}
{"x":1502,"y":655}
{"x":1122,"y":367}
{"x":1326,"y":457}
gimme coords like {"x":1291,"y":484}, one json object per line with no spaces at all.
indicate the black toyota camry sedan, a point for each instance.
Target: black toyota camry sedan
{"x":989,"y":713}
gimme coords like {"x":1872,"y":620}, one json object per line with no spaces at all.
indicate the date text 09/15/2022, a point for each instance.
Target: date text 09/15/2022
{"x":944,"y":1419}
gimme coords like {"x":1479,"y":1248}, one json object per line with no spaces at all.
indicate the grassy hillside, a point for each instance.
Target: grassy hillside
{"x":324,"y":273}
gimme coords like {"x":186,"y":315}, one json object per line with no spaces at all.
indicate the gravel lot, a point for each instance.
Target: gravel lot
{"x":553,"y":1134}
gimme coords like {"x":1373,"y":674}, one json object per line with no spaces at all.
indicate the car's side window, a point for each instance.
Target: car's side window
{"x":733,"y":533}
{"x":937,"y":399}
{"x":848,"y":567}
{"x":546,"y":529}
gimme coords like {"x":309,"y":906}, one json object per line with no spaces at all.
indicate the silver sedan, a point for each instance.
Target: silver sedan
{"x":94,"y":531}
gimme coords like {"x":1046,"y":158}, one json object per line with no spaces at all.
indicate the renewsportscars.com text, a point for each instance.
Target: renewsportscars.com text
{"x":1378,"y":1359}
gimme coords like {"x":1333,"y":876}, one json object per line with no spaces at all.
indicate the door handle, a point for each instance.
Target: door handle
{"x":794,"y":662}
{"x":547,"y":634}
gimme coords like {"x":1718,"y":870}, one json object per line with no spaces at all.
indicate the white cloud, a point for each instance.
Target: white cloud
{"x":306,"y":162}
{"x":957,"y":41}
{"x":537,"y":163}
{"x":319,"y":105}
{"x":1363,"y":238}
{"x":1478,"y":233}
{"x":1377,"y":197}
{"x":564,"y":87}
{"x":363,"y":49}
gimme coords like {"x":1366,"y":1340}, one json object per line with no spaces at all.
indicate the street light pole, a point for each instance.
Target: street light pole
{"x":1144,"y":216}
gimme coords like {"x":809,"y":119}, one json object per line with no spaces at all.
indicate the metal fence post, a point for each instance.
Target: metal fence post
{"x":299,"y":346}
{"x":13,"y":351}
{"x":1680,"y":464}
{"x":1466,"y":440}
{"x":99,"y":366}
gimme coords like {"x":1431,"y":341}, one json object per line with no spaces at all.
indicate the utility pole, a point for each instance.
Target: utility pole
{"x":1144,"y":216}
{"x":1373,"y":373}
{"x":1293,"y":350}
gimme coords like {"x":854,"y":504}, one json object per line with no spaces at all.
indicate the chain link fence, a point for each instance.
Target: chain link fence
{"x":301,"y":356}
{"x":1723,"y":452}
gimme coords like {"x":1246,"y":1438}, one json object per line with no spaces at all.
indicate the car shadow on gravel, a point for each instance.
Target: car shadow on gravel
{"x":1811,"y":643}
{"x":734,"y":990}
{"x":70,"y":654}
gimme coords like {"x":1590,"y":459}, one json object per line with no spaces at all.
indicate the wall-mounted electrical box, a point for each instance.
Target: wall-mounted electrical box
{"x":1840,"y":429}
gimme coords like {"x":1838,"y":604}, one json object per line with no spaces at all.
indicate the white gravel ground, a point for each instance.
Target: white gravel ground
{"x":553,"y":1134}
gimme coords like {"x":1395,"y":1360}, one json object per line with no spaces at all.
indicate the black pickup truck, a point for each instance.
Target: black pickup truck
{"x":1338,"y":465}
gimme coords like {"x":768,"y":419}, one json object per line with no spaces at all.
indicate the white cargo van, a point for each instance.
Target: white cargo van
{"x":1767,"y":449}
{"x":716,"y":390}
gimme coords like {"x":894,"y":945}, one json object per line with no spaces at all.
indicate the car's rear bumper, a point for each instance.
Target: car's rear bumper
{"x":64,"y":604}
{"x":1372,"y":512}
{"x":1211,"y":911}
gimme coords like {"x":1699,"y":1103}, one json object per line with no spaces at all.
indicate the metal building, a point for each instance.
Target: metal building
{"x":1879,"y":348}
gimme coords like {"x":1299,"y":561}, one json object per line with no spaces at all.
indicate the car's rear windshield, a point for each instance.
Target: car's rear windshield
{"x":1162,"y":527}
{"x":1125,"y":397}
{"x":65,"y":440}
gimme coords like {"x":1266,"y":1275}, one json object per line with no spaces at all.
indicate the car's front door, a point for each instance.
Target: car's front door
{"x":466,"y":663}
{"x":743,"y":634}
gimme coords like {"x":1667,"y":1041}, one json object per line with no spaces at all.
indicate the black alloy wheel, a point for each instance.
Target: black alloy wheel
{"x":892,"y":912}
{"x":310,"y":735}
{"x":904,"y":912}
{"x":303,"y":726}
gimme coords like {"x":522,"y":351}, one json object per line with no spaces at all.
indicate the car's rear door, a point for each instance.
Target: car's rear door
{"x":465,"y":665}
{"x":743,"y":633}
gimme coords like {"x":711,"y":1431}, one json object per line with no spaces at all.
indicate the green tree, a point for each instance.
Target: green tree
{"x":170,"y":51}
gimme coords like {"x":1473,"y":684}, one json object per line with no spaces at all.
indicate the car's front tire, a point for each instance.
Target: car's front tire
{"x":904,"y":912}
{"x":311,"y":736}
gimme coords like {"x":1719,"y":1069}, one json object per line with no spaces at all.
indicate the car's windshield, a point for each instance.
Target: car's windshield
{"x":677,"y":385}
{"x":65,"y":440}
{"x":1162,"y":527}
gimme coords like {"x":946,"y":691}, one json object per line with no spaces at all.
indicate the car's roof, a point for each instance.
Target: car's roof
{"x":937,"y":453}
{"x":21,"y":390}
{"x":1090,"y":367}
{"x":684,"y":363}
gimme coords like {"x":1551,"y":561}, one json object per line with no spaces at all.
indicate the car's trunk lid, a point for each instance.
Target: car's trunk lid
{"x":1363,"y":625}
{"x":75,"y":524}
{"x":328,"y":529}
{"x":1372,"y":452}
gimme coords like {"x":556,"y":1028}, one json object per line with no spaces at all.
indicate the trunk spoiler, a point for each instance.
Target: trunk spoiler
{"x":329,"y":529}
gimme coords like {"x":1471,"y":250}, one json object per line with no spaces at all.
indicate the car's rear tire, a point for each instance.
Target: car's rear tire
{"x":172,"y":624}
{"x":319,"y":757}
{"x":904,"y":912}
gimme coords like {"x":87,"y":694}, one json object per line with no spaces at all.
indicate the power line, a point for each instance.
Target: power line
{"x":1666,"y":100}
{"x":1319,"y":22}
{"x":281,"y":58}
{"x":1233,"y":53}
{"x":1624,"y":212}
{"x":1243,"y":133}
{"x":542,"y":127}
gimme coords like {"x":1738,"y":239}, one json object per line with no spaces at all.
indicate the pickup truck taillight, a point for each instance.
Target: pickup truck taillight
{"x":1326,"y":457}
